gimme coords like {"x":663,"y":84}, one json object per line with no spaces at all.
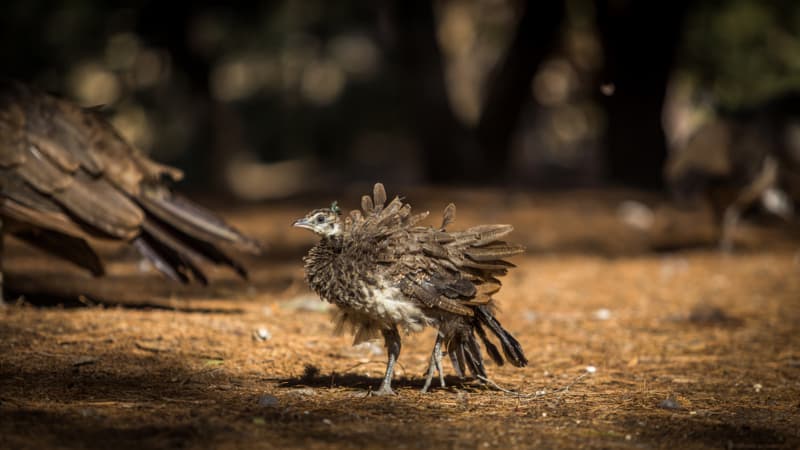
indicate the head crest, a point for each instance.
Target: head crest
{"x":335,"y":208}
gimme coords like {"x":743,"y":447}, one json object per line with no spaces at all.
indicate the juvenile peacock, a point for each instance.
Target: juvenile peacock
{"x":66,"y":176}
{"x":384,"y":272}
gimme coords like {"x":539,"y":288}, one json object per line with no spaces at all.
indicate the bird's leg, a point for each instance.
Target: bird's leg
{"x":437,"y":352}
{"x":435,"y":364}
{"x":765,"y":180}
{"x":729,"y":223}
{"x":392,"y":339}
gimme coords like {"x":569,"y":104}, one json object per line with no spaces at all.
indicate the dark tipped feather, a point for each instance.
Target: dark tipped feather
{"x":491,"y":349}
{"x":483,"y":234}
{"x":511,"y":347}
{"x":72,"y":249}
{"x":185,"y":258}
{"x":458,"y":350}
{"x":474,"y":357}
{"x":488,"y":265}
{"x":457,"y":363}
{"x":161,"y":262}
{"x":493,"y":252}
{"x":194,"y":220}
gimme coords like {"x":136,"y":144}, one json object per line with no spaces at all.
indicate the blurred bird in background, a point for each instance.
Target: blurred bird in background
{"x":66,"y":176}
{"x":738,"y":160}
{"x":385,"y":272}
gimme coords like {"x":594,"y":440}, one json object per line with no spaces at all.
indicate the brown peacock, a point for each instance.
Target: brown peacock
{"x":67,"y":176}
{"x":385,"y":272}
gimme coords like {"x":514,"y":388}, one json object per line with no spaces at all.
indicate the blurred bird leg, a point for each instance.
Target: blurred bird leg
{"x":765,"y":181}
{"x":729,"y":223}
{"x":392,"y":340}
{"x":435,"y":364}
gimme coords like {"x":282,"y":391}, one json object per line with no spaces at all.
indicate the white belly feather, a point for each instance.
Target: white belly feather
{"x":390,"y":306}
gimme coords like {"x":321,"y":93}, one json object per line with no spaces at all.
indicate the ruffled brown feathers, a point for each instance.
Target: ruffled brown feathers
{"x":385,"y":271}
{"x":67,"y":173}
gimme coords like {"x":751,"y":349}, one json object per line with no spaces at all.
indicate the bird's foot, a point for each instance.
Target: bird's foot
{"x":428,"y":377}
{"x":427,"y":384}
{"x":384,"y":390}
{"x":435,"y":365}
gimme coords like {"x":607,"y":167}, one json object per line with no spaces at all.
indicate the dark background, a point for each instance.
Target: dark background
{"x":271,"y":99}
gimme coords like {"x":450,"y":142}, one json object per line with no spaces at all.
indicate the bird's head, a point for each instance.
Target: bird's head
{"x":325,"y":222}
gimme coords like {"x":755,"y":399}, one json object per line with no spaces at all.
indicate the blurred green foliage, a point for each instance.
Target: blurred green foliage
{"x":743,"y":51}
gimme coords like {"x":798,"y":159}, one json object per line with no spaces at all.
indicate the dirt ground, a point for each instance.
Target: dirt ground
{"x":639,"y":335}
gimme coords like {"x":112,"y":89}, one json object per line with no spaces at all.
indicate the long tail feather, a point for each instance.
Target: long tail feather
{"x":474,"y":357}
{"x":161,"y":261}
{"x":181,"y":237}
{"x":184,"y":256}
{"x":194,"y":221}
{"x":491,"y":349}
{"x":511,"y":347}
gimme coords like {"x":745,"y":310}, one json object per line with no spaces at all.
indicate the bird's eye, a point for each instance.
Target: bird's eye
{"x":320,"y":219}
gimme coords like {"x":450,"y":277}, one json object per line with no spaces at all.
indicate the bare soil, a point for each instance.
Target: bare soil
{"x":638,"y":337}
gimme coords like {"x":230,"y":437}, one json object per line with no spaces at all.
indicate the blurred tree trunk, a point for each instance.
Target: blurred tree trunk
{"x":409,"y":34}
{"x":510,"y":88}
{"x":167,"y":24}
{"x":217,"y":127}
{"x":639,"y":41}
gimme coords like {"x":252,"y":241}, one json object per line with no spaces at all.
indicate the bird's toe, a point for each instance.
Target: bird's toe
{"x":383,"y":391}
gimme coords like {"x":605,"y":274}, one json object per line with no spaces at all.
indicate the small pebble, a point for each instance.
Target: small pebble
{"x":262,"y":334}
{"x":84,"y":360}
{"x":669,"y":403}
{"x":327,"y":421}
{"x":591,"y":369}
{"x":636,"y":215}
{"x":602,"y":314}
{"x":304,"y":391}
{"x":757,"y":387}
{"x":268,"y":401}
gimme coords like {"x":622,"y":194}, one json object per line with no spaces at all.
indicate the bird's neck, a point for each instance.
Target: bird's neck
{"x":334,"y":243}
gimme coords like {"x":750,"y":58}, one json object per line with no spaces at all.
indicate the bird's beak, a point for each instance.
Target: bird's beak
{"x":302,"y":223}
